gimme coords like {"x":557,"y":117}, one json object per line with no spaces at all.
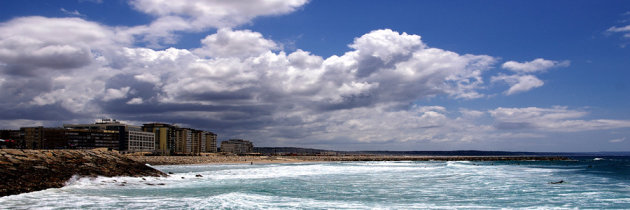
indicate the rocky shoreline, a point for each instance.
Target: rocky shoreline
{"x":32,"y":170}
{"x":223,"y":159}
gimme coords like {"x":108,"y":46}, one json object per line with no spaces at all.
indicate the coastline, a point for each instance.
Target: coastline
{"x":227,"y":159}
{"x":24,"y":171}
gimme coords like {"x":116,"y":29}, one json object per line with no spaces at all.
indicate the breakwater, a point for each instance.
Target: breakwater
{"x":32,"y":170}
{"x":222,"y":159}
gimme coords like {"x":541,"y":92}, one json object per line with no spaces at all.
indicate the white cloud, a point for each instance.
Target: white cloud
{"x":617,"y":140}
{"x":198,"y":15}
{"x":362,"y":95}
{"x":625,"y":30}
{"x":536,"y":65}
{"x":229,"y":43}
{"x":518,"y":83}
{"x":111,"y":94}
{"x":135,"y":101}
{"x":73,"y":13}
{"x":559,"y":119}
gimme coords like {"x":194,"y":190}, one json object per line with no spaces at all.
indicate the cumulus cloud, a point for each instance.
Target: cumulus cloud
{"x":195,"y":15}
{"x":229,"y":43}
{"x":523,"y":80}
{"x":240,"y":84}
{"x":534,"y":66}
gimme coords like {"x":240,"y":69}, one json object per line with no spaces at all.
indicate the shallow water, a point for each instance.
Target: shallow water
{"x":354,"y":185}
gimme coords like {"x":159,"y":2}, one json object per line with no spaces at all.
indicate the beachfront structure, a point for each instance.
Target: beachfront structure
{"x":140,"y":141}
{"x":90,"y":139}
{"x":59,"y":138}
{"x":165,"y":135}
{"x":44,"y":138}
{"x":192,"y":141}
{"x":131,"y":138}
{"x":183,"y":140}
{"x":237,"y":146}
{"x":209,"y":142}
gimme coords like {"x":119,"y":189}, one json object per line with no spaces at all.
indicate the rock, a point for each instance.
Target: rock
{"x":198,"y":175}
{"x":32,"y":170}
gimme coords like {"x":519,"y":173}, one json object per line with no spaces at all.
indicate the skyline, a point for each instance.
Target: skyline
{"x":353,"y":75}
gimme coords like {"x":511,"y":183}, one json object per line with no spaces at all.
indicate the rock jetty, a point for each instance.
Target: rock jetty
{"x":223,"y":159}
{"x":32,"y":170}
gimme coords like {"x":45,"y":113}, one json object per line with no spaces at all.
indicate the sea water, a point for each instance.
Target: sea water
{"x":587,"y":183}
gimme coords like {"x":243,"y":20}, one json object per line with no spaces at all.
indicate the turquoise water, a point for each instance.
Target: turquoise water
{"x":588,"y":183}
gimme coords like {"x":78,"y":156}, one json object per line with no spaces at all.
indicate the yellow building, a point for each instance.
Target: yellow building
{"x":165,"y":135}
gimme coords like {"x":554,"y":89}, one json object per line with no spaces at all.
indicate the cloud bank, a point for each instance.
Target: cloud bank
{"x":241,"y":84}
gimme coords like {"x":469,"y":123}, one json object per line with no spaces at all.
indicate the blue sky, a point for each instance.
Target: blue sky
{"x":347,"y":75}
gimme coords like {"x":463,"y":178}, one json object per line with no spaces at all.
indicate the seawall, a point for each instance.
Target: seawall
{"x":32,"y":170}
{"x":223,"y":159}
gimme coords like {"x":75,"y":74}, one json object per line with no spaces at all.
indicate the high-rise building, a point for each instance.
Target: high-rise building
{"x":210,"y":142}
{"x":131,"y":138}
{"x":183,"y":141}
{"x":165,"y":135}
{"x":237,"y":146}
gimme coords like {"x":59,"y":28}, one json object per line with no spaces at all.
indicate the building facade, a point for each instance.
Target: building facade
{"x":237,"y":146}
{"x":90,"y":139}
{"x":165,"y":135}
{"x":210,"y":142}
{"x":183,"y":141}
{"x":131,"y":138}
{"x":44,"y":138}
{"x":140,"y":141}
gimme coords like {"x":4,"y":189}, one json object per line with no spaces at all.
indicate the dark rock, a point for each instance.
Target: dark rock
{"x":32,"y":170}
{"x":198,"y":175}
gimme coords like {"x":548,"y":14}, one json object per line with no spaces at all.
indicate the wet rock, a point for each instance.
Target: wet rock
{"x":198,"y":175}
{"x":32,"y":170}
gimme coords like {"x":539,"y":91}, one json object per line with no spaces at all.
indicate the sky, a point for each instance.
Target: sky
{"x":530,"y":75}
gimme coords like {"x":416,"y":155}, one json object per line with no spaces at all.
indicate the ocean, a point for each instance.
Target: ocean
{"x":587,"y":182}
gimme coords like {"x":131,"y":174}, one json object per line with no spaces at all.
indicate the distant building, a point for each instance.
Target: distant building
{"x":209,"y":143}
{"x":237,"y":146}
{"x":12,"y":138}
{"x":140,"y":141}
{"x":44,"y":138}
{"x":131,"y":138}
{"x":165,"y":136}
{"x":183,"y":141}
{"x":90,"y":139}
{"x":192,"y":141}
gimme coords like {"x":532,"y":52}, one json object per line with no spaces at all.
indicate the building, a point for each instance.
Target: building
{"x":183,"y":141}
{"x":131,"y":138}
{"x":140,"y":141}
{"x":165,"y":135}
{"x":209,"y":143}
{"x":237,"y":146}
{"x":13,"y":138}
{"x":90,"y":139}
{"x":44,"y":138}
